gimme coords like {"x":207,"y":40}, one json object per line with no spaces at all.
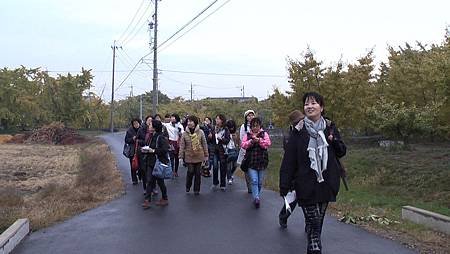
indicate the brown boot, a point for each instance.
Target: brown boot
{"x":162,"y":202}
{"x":146,"y":204}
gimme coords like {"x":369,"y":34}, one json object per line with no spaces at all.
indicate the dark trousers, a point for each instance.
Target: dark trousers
{"x":174,"y":161}
{"x":143,"y":175}
{"x":151,"y":185}
{"x":314,"y":215}
{"x":134,"y":178}
{"x":222,"y":165}
{"x":194,"y":172}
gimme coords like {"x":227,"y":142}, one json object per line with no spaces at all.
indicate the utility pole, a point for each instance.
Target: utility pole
{"x":111,"y":124}
{"x":243,"y":91}
{"x":191,"y":91}
{"x":140,"y":108}
{"x":155,"y":62}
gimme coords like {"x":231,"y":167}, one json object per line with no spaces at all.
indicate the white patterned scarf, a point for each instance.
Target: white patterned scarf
{"x":317,"y":146}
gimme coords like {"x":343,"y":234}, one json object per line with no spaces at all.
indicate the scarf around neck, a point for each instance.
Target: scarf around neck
{"x":317,"y":146}
{"x":195,"y":139}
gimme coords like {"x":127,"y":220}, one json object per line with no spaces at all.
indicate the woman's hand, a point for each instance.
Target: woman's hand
{"x":331,"y":138}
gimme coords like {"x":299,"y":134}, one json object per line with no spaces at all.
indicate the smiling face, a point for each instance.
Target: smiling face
{"x":191,"y":124}
{"x":313,"y":110}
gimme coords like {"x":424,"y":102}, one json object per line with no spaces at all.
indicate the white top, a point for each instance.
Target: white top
{"x":174,"y":131}
{"x":242,"y":132}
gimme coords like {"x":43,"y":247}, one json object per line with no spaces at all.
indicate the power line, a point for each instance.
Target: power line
{"x":226,"y":74}
{"x":136,"y":33}
{"x":185,"y":72}
{"x":132,"y":20}
{"x":192,"y":20}
{"x":153,"y":51}
{"x":128,"y":64}
{"x":127,"y":39}
{"x":194,"y":26}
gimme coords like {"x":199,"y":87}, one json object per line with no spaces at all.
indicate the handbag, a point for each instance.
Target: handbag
{"x":127,"y":150}
{"x":162,"y":170}
{"x":245,"y":163}
{"x":135,"y":160}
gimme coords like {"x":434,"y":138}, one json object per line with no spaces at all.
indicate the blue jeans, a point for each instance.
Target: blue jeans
{"x":257,"y":178}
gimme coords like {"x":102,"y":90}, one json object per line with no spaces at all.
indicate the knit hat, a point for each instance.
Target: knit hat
{"x":295,"y":116}
{"x":249,"y":112}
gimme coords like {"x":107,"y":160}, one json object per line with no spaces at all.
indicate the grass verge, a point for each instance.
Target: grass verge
{"x":48,"y":183}
{"x":381,"y":182}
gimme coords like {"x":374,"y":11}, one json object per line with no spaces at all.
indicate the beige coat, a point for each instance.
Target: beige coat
{"x":186,"y":150}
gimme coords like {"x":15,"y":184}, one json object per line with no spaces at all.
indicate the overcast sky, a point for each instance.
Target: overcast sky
{"x":248,"y":37}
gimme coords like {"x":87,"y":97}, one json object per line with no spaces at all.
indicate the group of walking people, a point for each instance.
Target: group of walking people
{"x":213,"y":145}
{"x":310,"y":167}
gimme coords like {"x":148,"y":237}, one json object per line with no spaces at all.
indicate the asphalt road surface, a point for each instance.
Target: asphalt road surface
{"x":214,"y":222}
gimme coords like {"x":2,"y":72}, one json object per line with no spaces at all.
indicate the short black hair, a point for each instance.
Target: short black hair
{"x":147,"y":117}
{"x":316,"y":96}
{"x":157,"y":125}
{"x":157,"y":115}
{"x":193,"y":119}
{"x":231,"y":125}
{"x":255,"y":121}
{"x":136,"y":119}
{"x":177,"y":117}
{"x":167,"y":116}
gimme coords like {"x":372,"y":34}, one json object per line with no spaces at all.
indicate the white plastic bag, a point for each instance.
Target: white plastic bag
{"x":289,"y":198}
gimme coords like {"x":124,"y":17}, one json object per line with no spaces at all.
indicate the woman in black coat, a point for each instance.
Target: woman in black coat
{"x":159,"y":149}
{"x":130,"y":138}
{"x":144,"y":136}
{"x":311,"y":162}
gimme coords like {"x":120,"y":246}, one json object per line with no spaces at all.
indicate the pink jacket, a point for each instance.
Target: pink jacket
{"x":263,"y":142}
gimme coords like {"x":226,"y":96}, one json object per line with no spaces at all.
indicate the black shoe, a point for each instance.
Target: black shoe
{"x":283,"y":221}
{"x":196,"y":193}
{"x":188,"y":190}
{"x":135,"y":183}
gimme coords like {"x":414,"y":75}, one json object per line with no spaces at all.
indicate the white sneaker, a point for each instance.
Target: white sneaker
{"x":230,"y":181}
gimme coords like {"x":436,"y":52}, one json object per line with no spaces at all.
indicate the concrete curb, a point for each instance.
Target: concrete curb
{"x":13,"y":235}
{"x":429,"y":219}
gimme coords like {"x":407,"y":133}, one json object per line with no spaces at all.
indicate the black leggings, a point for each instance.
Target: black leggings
{"x":174,"y":161}
{"x":314,"y":215}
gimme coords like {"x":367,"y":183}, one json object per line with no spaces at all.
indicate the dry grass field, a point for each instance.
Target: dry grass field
{"x":50,"y":183}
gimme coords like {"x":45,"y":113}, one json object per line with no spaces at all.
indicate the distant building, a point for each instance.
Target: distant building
{"x":237,"y":99}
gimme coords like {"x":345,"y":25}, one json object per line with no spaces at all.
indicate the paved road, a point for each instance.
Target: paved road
{"x":214,"y":222}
